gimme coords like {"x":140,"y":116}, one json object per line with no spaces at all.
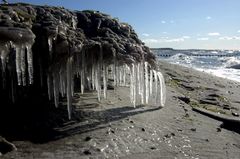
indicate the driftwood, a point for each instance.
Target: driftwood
{"x":220,"y":117}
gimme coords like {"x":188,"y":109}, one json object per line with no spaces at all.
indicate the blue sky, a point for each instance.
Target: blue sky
{"x":206,"y":24}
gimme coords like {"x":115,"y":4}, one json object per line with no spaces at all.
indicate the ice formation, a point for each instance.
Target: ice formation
{"x":88,"y":45}
{"x":140,"y":76}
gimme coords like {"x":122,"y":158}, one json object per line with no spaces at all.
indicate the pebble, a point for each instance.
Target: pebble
{"x":219,"y":129}
{"x":88,"y":138}
{"x":235,"y":114}
{"x":193,"y":129}
{"x":87,"y":152}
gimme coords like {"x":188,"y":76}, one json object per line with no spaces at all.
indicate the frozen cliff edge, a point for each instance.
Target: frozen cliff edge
{"x":47,"y":48}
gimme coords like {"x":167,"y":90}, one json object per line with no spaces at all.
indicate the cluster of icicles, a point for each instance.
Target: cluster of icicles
{"x":146,"y":85}
{"x":144,"y":82}
{"x":23,"y":64}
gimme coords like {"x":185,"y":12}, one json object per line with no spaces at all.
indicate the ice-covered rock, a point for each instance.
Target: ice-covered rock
{"x":48,"y":47}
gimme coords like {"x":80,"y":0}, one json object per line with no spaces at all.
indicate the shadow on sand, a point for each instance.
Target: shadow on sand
{"x":39,"y":122}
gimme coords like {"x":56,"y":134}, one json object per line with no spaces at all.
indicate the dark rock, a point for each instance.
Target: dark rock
{"x":143,"y":129}
{"x":185,"y":99}
{"x":219,"y":129}
{"x":87,"y":152}
{"x":193,"y":129}
{"x":88,"y":138}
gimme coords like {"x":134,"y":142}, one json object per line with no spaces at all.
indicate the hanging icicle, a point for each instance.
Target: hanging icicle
{"x":30,"y":64}
{"x":69,"y":86}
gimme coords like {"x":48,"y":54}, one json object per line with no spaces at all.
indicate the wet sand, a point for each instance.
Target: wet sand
{"x":112,"y":128}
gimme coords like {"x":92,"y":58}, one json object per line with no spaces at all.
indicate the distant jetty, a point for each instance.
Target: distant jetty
{"x":167,"y":52}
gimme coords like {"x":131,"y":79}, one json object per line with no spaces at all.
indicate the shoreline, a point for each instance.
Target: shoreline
{"x":112,"y":128}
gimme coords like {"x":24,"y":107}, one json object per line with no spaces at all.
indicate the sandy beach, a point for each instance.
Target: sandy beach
{"x":112,"y":128}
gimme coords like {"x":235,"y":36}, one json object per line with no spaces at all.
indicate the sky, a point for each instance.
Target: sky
{"x":180,"y":24}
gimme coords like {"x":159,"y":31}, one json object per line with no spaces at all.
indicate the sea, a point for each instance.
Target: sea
{"x":215,"y":62}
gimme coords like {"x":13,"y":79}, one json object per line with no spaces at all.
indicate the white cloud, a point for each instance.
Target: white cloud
{"x":146,"y":34}
{"x":163,"y":40}
{"x":229,"y":38}
{"x":163,"y":21}
{"x":236,"y":37}
{"x":151,"y":41}
{"x":225,"y":38}
{"x":186,"y":37}
{"x":164,"y":32}
{"x":238,"y":31}
{"x":208,"y":17}
{"x":214,"y":34}
{"x":203,"y":39}
{"x":175,"y":40}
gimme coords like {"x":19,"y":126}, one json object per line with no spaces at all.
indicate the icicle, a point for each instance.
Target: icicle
{"x":114,"y":68}
{"x":69,"y":87}
{"x":18,"y":65}
{"x":142,"y":83}
{"x":156,"y":86}
{"x":151,"y":82}
{"x":146,"y":82}
{"x":139,"y":78}
{"x":93,"y":76}
{"x":23,"y":66}
{"x":131,"y":84}
{"x":162,"y":89}
{"x":30,"y":64}
{"x":105,"y":68}
{"x":134,"y":85}
{"x":124,"y":75}
{"x":3,"y":57}
{"x":50,"y":43}
{"x":99,"y":69}
{"x":89,"y":83}
{"x":120,"y":76}
{"x":61,"y":88}
{"x":97,"y":80}
{"x":56,"y":89}
{"x":3,"y":60}
{"x":82,"y":71}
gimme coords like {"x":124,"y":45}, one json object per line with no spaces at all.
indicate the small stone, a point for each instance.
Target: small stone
{"x":173,"y":134}
{"x":143,"y":129}
{"x":207,"y":140}
{"x":88,"y":138}
{"x":193,"y":129}
{"x":87,"y":152}
{"x":131,"y":121}
{"x":219,"y":129}
{"x":167,"y":136}
{"x":235,"y":114}
{"x":112,"y":131}
{"x":153,"y":148}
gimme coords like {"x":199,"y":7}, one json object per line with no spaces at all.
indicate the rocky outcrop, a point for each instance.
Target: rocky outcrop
{"x":45,"y":48}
